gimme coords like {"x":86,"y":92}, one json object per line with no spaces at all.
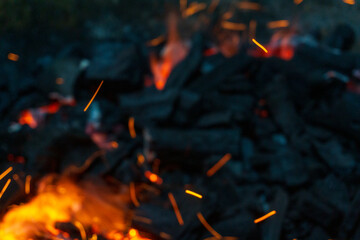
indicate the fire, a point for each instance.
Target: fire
{"x":13,"y":57}
{"x":94,"y":209}
{"x":174,"y":52}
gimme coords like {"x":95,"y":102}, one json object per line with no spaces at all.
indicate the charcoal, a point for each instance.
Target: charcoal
{"x":214,"y":141}
{"x":215,"y":119}
{"x":181,"y":73}
{"x":333,"y":154}
{"x":351,"y":219}
{"x":318,"y":211}
{"x":342,"y":38}
{"x":318,"y":233}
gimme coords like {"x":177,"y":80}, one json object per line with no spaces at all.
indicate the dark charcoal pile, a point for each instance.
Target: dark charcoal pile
{"x":291,"y":127}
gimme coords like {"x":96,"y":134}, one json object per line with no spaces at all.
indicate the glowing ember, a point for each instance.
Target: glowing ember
{"x":153,"y":177}
{"x":193,"y":193}
{"x":6,"y":172}
{"x":218,"y":165}
{"x":176,"y":209}
{"x":156,"y":41}
{"x":350,"y":2}
{"x":5,"y":187}
{"x":207,"y":226}
{"x":13,"y":57}
{"x":59,"y":81}
{"x":26,"y":118}
{"x":131,"y":125}
{"x":249,"y":6}
{"x":193,"y":8}
{"x":233,"y":26}
{"x":260,"y":46}
{"x":27,"y":184}
{"x":278,"y":24}
{"x":87,"y":106}
{"x":265,"y":217}
{"x":61,"y":200}
{"x":140,"y":159}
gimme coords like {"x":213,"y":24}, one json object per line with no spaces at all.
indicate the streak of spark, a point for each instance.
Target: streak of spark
{"x":133,"y":195}
{"x":156,"y":41}
{"x":249,"y":6}
{"x":6,"y":172}
{"x":194,"y":194}
{"x":233,"y":26}
{"x":81,"y":229}
{"x":27,"y":184}
{"x":278,"y":24}
{"x":260,"y":46}
{"x":194,"y":8}
{"x":207,"y":226}
{"x":131,"y":125}
{"x":265,"y":217}
{"x":13,"y":57}
{"x":142,"y":219}
{"x":218,"y":165}
{"x":5,"y":187}
{"x":87,"y":106}
{"x":176,"y":209}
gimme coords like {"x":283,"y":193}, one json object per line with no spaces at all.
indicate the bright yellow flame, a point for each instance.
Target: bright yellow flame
{"x":193,"y":193}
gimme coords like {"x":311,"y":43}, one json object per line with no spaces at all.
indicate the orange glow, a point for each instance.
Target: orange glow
{"x":260,"y":46}
{"x":27,"y":184}
{"x":140,"y":159}
{"x":176,"y":209}
{"x":278,"y":24}
{"x":249,"y":6}
{"x":297,"y":2}
{"x":350,"y":2}
{"x":183,"y":5}
{"x":13,"y":57}
{"x":6,"y":172}
{"x":153,"y":177}
{"x":81,"y":229}
{"x":142,"y":219}
{"x":207,"y":226}
{"x":193,"y":8}
{"x":26,"y":118}
{"x":133,"y":195}
{"x":156,"y":41}
{"x":59,"y":81}
{"x":165,"y":235}
{"x":5,"y":187}
{"x":131,"y":125}
{"x":233,"y":26}
{"x":218,"y":165}
{"x":52,"y":108}
{"x":265,"y":217}
{"x":213,"y":5}
{"x":114,"y":144}
{"x":133,"y":233}
{"x":193,"y":193}
{"x":227,"y":15}
{"x":87,"y":106}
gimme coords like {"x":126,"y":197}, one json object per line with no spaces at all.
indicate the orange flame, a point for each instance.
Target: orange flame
{"x":27,"y":118}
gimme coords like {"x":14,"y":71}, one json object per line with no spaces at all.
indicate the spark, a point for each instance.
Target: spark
{"x":140,"y":159}
{"x":233,"y":26}
{"x":114,"y":144}
{"x":5,"y":187}
{"x":156,"y":41}
{"x":265,"y":217}
{"x":194,"y":8}
{"x":278,"y":24}
{"x":153,"y":177}
{"x":249,"y":6}
{"x":87,"y":106}
{"x":207,"y":226}
{"x":81,"y":229}
{"x":252,"y":29}
{"x":59,"y":81}
{"x":297,"y":2}
{"x":142,"y":219}
{"x":131,"y":125}
{"x":13,"y":57}
{"x":6,"y":172}
{"x":193,"y":193}
{"x":260,"y":46}
{"x":176,"y":209}
{"x":133,"y":195}
{"x":165,"y":235}
{"x":218,"y":165}
{"x":27,"y":184}
{"x":213,"y":5}
{"x":350,"y":2}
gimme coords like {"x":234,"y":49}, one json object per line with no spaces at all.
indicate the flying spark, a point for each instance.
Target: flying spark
{"x":218,"y":165}
{"x":176,"y":209}
{"x":13,"y":57}
{"x":6,"y":172}
{"x":265,"y":217}
{"x":207,"y":226}
{"x":27,"y":184}
{"x":156,"y":41}
{"x":131,"y":125}
{"x":260,"y":46}
{"x":233,"y":26}
{"x":193,"y":193}
{"x":278,"y":24}
{"x":194,"y":8}
{"x":93,"y":96}
{"x":249,"y":6}
{"x":5,"y":187}
{"x":133,"y":195}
